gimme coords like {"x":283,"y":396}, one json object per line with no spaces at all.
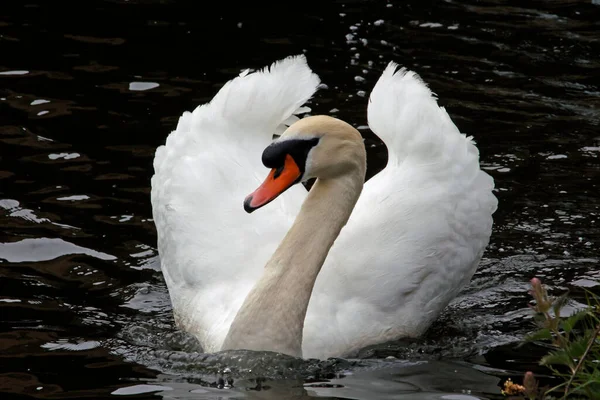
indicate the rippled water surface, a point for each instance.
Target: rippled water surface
{"x":88,"y":92}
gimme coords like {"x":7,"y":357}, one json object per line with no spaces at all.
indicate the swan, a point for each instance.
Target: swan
{"x":263,"y":264}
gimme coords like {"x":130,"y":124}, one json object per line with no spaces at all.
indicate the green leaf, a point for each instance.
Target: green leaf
{"x":577,"y":347}
{"x":568,"y":324}
{"x":542,"y":334}
{"x":559,"y":357}
{"x":539,"y":318}
{"x":559,"y":303}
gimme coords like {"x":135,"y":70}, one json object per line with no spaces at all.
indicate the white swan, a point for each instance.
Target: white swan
{"x":413,"y":239}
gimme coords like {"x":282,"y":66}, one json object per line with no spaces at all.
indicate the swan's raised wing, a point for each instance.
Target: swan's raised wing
{"x":418,"y":230}
{"x":211,"y":250}
{"x":439,"y":200}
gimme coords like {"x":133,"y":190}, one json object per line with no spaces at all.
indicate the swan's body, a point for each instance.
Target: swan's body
{"x":413,"y":240}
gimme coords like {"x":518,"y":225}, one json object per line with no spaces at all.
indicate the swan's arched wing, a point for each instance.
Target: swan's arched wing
{"x":417,"y":232}
{"x":211,"y":250}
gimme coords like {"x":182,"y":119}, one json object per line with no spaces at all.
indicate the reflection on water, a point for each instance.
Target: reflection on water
{"x":43,"y":249}
{"x":400,"y":380}
{"x":85,"y":104}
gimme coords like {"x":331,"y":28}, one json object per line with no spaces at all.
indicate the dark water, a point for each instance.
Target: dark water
{"x":89,"y":91}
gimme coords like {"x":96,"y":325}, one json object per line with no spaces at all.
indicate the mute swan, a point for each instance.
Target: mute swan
{"x":328,"y":272}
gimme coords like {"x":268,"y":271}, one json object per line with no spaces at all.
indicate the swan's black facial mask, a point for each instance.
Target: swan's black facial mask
{"x":287,"y":160}
{"x":274,"y":155}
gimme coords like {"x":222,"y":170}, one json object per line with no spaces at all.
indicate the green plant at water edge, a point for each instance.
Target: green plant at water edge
{"x":575,"y":341}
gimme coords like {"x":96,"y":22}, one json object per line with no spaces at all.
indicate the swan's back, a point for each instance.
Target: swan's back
{"x":211,"y":250}
{"x":417,"y":233}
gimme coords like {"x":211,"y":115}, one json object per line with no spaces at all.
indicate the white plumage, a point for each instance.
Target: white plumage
{"x":412,"y":242}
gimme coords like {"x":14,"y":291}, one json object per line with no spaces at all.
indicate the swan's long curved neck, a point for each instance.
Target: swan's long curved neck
{"x":272,"y":315}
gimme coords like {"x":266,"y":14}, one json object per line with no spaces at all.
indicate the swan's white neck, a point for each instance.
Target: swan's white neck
{"x":272,"y":315}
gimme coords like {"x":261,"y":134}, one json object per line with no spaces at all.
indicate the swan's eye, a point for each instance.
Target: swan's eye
{"x":278,"y":172}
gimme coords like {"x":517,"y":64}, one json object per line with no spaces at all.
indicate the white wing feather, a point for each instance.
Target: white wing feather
{"x":211,"y":250}
{"x":417,"y":233}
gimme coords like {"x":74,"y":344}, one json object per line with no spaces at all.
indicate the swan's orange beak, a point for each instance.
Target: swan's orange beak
{"x":278,"y":181}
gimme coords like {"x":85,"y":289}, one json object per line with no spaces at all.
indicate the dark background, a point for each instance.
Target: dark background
{"x":520,"y":76}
